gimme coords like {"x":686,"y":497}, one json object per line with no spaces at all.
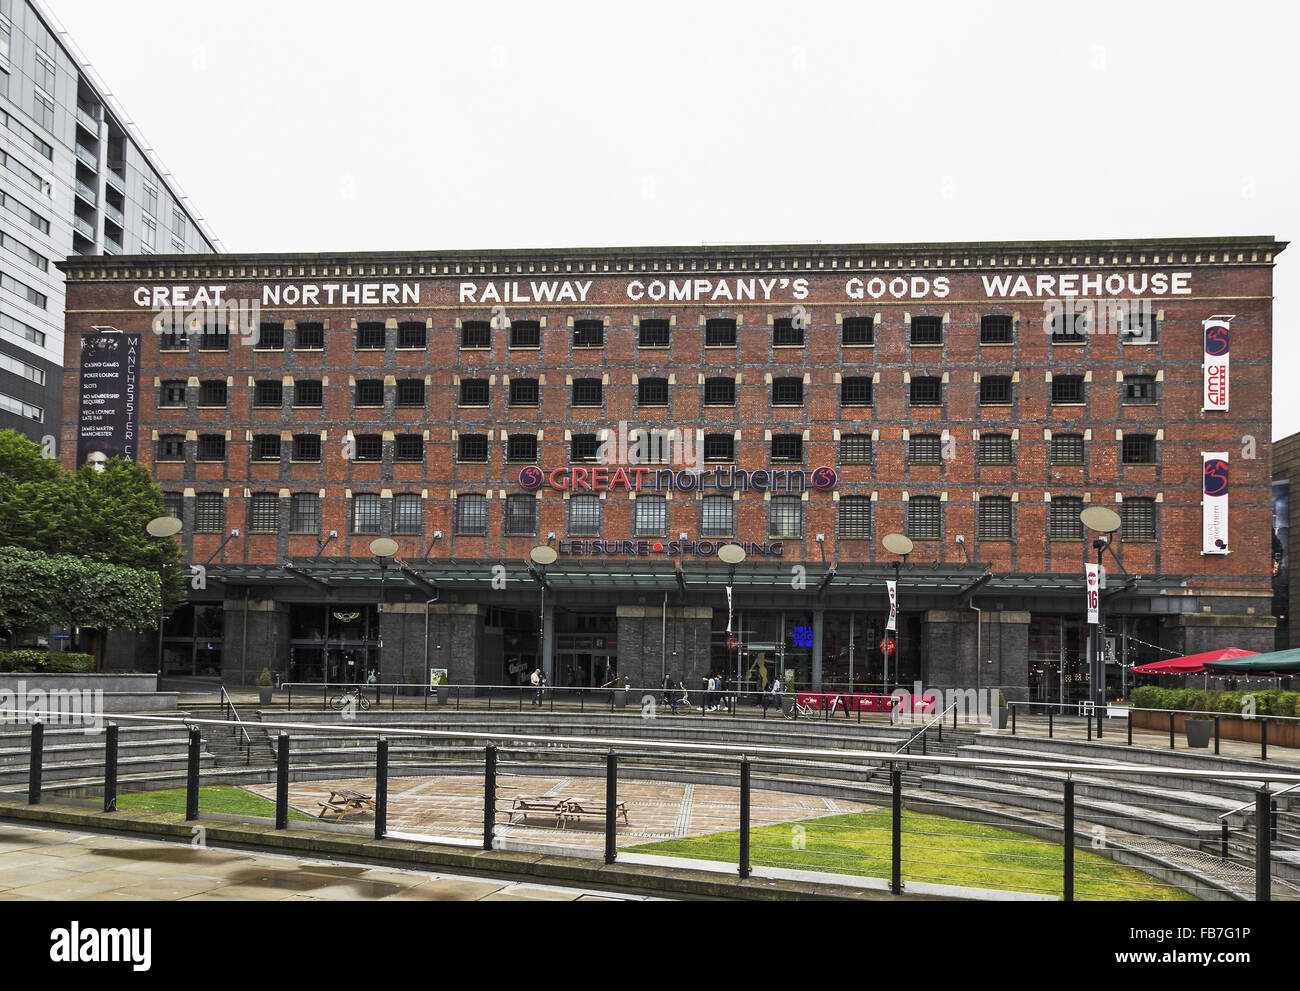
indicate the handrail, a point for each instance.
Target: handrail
{"x":1177,"y":712}
{"x":226,"y":700}
{"x":1251,"y":803}
{"x":922,"y":731}
{"x":720,"y":750}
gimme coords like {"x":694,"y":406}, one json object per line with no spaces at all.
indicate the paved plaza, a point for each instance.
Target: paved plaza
{"x":453,"y":807}
{"x":39,"y":864}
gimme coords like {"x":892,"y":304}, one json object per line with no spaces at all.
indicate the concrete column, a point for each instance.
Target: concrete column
{"x":548,"y":643}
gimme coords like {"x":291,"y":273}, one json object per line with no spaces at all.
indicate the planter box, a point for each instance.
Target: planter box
{"x":1284,"y":734}
{"x":1198,"y":732}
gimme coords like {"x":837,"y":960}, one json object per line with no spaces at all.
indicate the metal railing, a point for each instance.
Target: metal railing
{"x":920,"y":734}
{"x":725,"y":701}
{"x":1095,"y":716}
{"x":739,"y":758}
{"x":228,"y":711}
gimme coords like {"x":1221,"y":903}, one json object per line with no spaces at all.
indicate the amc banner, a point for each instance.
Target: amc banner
{"x":1214,"y":502}
{"x":108,"y":402}
{"x":1092,"y":573}
{"x":892,"y":587}
{"x":1216,"y":363}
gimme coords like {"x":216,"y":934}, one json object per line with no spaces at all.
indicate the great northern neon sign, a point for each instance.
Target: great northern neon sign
{"x":601,"y":478}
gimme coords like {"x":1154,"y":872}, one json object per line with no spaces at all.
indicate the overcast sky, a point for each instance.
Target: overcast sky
{"x":315,"y":126}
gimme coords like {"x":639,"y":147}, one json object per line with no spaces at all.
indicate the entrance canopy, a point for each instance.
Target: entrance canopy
{"x":1276,"y":662}
{"x":1192,"y":663}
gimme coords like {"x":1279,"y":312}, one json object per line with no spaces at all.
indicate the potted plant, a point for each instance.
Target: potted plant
{"x":264,"y":687}
{"x":620,"y":692}
{"x":1004,"y":713}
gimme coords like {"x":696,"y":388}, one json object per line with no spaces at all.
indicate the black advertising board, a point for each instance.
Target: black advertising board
{"x":108,"y":397}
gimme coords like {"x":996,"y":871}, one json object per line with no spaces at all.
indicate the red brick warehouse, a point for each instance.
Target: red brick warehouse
{"x":975,"y":397}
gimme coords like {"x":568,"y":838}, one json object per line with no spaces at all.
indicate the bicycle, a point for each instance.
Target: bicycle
{"x":350,"y":695}
{"x":796,"y":708}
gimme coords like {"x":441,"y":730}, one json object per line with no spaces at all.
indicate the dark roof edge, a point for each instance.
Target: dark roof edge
{"x":1263,"y":241}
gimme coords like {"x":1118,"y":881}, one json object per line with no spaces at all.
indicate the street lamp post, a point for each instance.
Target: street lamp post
{"x":895,"y":543}
{"x":542,"y":555}
{"x":731,"y":555}
{"x":382,"y":548}
{"x":1105,"y":522}
{"x":162,"y":527}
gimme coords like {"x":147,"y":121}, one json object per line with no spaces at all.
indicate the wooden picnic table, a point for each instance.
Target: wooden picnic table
{"x":343,"y":802}
{"x":564,"y":810}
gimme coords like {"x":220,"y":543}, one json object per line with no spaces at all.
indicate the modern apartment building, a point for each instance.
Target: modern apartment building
{"x":76,"y":178}
{"x":475,"y":406}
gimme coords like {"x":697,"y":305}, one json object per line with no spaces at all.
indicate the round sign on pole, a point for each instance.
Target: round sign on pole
{"x":733,"y":643}
{"x":543,"y":555}
{"x":1100,"y":518}
{"x":163,"y":526}
{"x":383,"y":547}
{"x":731,"y":553}
{"x":887,"y":645}
{"x":897,"y":543}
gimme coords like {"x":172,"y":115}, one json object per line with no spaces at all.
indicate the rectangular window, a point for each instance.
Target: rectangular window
{"x":1139,"y":390}
{"x":309,"y":337}
{"x":1140,"y":326}
{"x":787,"y":392}
{"x":367,"y":513}
{"x":268,"y":393}
{"x":583,"y":447}
{"x":372,"y":336}
{"x":521,"y":515}
{"x":587,"y":392}
{"x":264,"y":513}
{"x":927,"y":391}
{"x":719,"y":392}
{"x":995,"y":390}
{"x":308,"y":392}
{"x":174,"y":340}
{"x":1067,"y":328}
{"x":369,"y":447}
{"x":785,"y":518}
{"x":1063,"y":521}
{"x":304,"y":513}
{"x":471,"y":515}
{"x":584,"y":516}
{"x":855,"y":391}
{"x":521,"y":447}
{"x":476,"y":334}
{"x":408,"y":448}
{"x":927,"y":330}
{"x":21,"y":330}
{"x":266,"y":447}
{"x":408,"y":513}
{"x":717,"y":516}
{"x":787,"y":447}
{"x":213,"y":393}
{"x":855,"y":517}
{"x":172,"y":394}
{"x":524,"y":392}
{"x":858,"y":331}
{"x":214,"y":339}
{"x":588,"y":333}
{"x":23,"y":290}
{"x":785,"y":333}
{"x":410,"y":393}
{"x":209,"y":512}
{"x":1138,"y":519}
{"x":650,"y":516}
{"x":925,"y":518}
{"x":525,"y":333}
{"x":24,"y":213}
{"x":993,"y":520}
{"x":412,"y":335}
{"x":474,"y":392}
{"x":1067,"y":390}
{"x":16,"y":247}
{"x":270,"y":337}
{"x":994,"y":449}
{"x":855,"y":449}
{"x":370,"y":392}
{"x":653,"y":334}
{"x":171,"y":447}
{"x":306,"y":447}
{"x":1139,"y":449}
{"x":652,"y":392}
{"x":1067,"y":449}
{"x":20,"y":408}
{"x":719,"y":447}
{"x":720,"y":333}
{"x":472,"y":448}
{"x":924,"y":449}
{"x":21,"y":368}
{"x":995,"y":328}
{"x":174,"y":504}
{"x":212,"y":447}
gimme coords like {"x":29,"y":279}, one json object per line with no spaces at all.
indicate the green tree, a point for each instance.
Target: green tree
{"x":39,"y":589}
{"x":35,"y":496}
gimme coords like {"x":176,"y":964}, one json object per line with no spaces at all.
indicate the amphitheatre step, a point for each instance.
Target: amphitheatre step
{"x":1121,"y":753}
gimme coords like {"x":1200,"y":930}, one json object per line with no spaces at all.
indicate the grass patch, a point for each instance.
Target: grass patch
{"x":934,"y":849}
{"x":214,"y":798}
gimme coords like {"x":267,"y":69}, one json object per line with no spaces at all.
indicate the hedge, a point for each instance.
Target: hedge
{"x":44,"y":661}
{"x":1267,"y":703}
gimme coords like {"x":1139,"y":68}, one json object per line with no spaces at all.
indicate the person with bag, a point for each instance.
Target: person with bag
{"x":537,"y":680}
